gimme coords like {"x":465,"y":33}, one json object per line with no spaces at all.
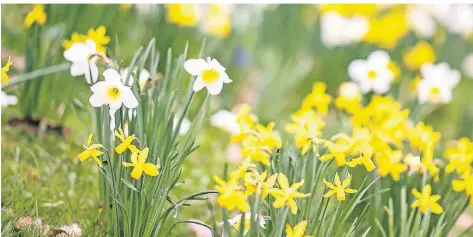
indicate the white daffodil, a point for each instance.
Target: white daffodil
{"x":83,"y":58}
{"x":236,"y":220}
{"x":337,"y":30}
{"x":372,"y":74}
{"x":349,"y":90}
{"x":112,"y":92}
{"x":468,"y":65}
{"x":460,"y":19}
{"x":7,"y":100}
{"x":142,"y":79}
{"x":420,"y":19}
{"x":209,"y":74}
{"x":225,"y":120}
{"x":437,"y":83}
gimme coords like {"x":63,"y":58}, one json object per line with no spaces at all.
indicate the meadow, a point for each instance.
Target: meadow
{"x":237,"y":120}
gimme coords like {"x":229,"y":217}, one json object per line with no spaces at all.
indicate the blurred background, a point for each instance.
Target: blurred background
{"x":273,"y":54}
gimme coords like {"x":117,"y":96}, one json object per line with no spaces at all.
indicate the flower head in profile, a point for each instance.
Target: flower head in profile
{"x":285,"y":195}
{"x":183,"y":14}
{"x":339,"y":188}
{"x":126,"y":142}
{"x":437,"y":83}
{"x":235,"y":222}
{"x":112,"y":92}
{"x":83,"y":58}
{"x":426,"y":200}
{"x":465,"y":184}
{"x":140,"y":166}
{"x":210,"y":74}
{"x":372,"y":74}
{"x":298,"y":231}
{"x":5,"y":69}
{"x":91,"y":151}
{"x":37,"y":15}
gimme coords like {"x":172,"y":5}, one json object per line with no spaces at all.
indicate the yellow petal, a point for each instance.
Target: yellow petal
{"x":126,"y":164}
{"x":84,"y":155}
{"x":134,"y":158}
{"x":436,"y":208}
{"x":347,"y":181}
{"x":330,"y":185}
{"x":143,"y":155}
{"x":292,"y":206}
{"x":283,"y":182}
{"x":137,"y":172}
{"x":337,"y":180}
{"x":121,"y":148}
{"x":329,"y":193}
{"x":99,"y":162}
{"x":350,"y":190}
{"x":150,"y":169}
{"x":89,"y":140}
{"x":340,"y":195}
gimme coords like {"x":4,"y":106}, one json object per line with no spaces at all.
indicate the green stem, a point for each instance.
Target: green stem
{"x":37,"y":74}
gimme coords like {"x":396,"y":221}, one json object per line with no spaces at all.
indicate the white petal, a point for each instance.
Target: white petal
{"x":379,"y":57}
{"x":195,"y":66}
{"x":99,"y":87}
{"x":215,"y":64}
{"x":216,"y":88}
{"x":91,"y":48}
{"x":77,"y":53}
{"x":198,"y":84}
{"x":94,"y":71}
{"x":97,"y":100}
{"x":112,"y":75}
{"x":357,"y":69}
{"x":79,"y":68}
{"x":224,"y":77}
{"x":129,"y":99}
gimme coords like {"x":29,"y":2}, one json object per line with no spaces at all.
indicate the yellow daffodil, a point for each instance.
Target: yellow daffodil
{"x":5,"y":69}
{"x":348,"y":10}
{"x":285,"y":194}
{"x":91,"y":151}
{"x":465,"y":184}
{"x":339,"y":188}
{"x":421,"y":134}
{"x":183,"y":14}
{"x":217,"y":22}
{"x":418,"y":55}
{"x":349,"y":97}
{"x":255,"y":183}
{"x":387,"y":29}
{"x":428,"y":160}
{"x":37,"y":15}
{"x":268,"y":137}
{"x":318,"y":98}
{"x":460,"y":157}
{"x":75,"y":38}
{"x":126,"y":142}
{"x":247,"y":122}
{"x":389,"y":163}
{"x":253,"y":148}
{"x":298,"y":231}
{"x":426,"y":201}
{"x":362,"y":156}
{"x":306,"y":129}
{"x":139,"y":166}
{"x":244,"y":167}
{"x":230,"y":195}
{"x":99,"y":37}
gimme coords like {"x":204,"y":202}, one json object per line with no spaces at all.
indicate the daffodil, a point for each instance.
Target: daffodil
{"x":217,"y":21}
{"x":465,"y":184}
{"x":421,"y":134}
{"x":183,"y":14}
{"x":437,"y":83}
{"x":418,"y":55}
{"x":426,"y":200}
{"x":268,"y":138}
{"x":138,"y":162}
{"x":235,"y":222}
{"x":253,"y":148}
{"x":349,"y":97}
{"x":389,"y":163}
{"x":285,"y":195}
{"x":37,"y":15}
{"x":257,"y":183}
{"x":99,"y":37}
{"x":339,"y":188}
{"x":112,"y":92}
{"x":428,"y":160}
{"x":246,"y":121}
{"x":143,"y":79}
{"x":298,"y":231}
{"x":75,"y":38}
{"x":225,"y":120}
{"x":210,"y":74}
{"x":83,"y":58}
{"x":126,"y":142}
{"x":7,"y":100}
{"x":372,"y":74}
{"x":362,"y":156}
{"x":5,"y":69}
{"x":230,"y":195}
{"x":91,"y":151}
{"x":337,"y":30}
{"x":387,"y":29}
{"x":460,"y":157}
{"x":242,"y":169}
{"x":306,"y":128}
{"x":318,"y":98}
